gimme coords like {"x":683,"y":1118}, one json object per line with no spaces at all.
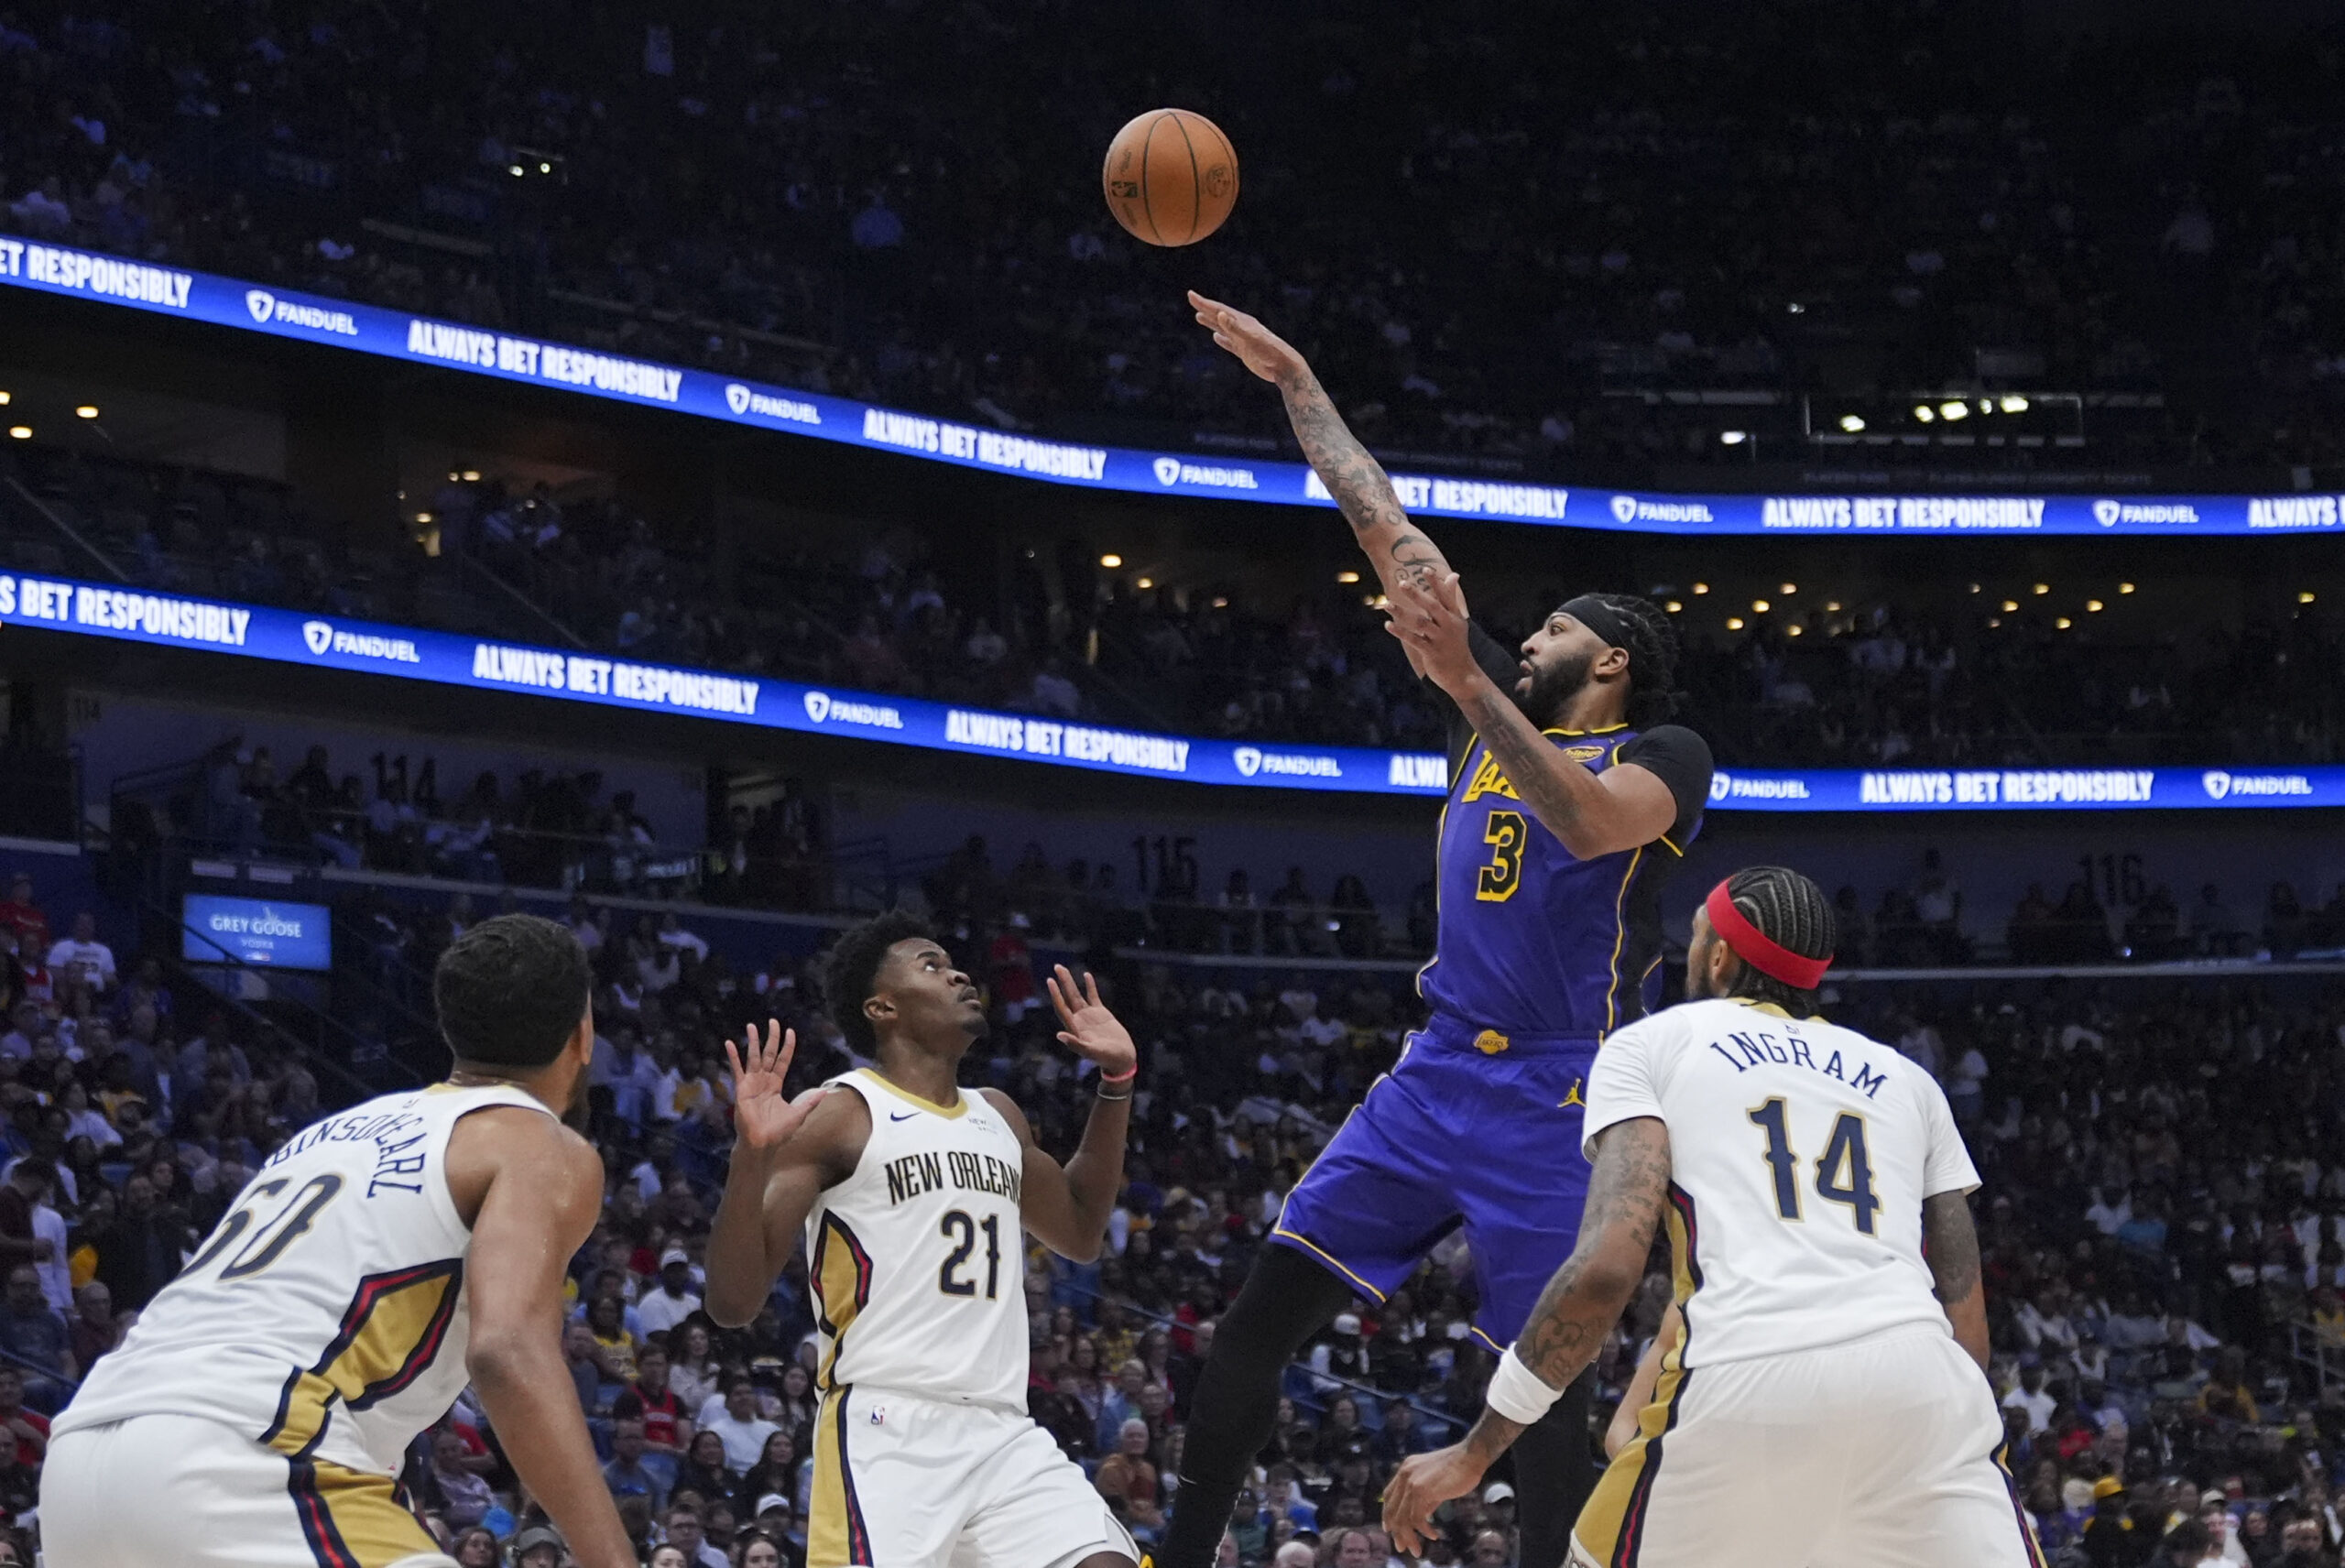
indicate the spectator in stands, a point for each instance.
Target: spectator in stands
{"x":83,"y":955}
{"x":626,"y":1474}
{"x":662,"y":1310}
{"x":685,"y":1531}
{"x":737,"y":1425}
{"x":24,"y":916}
{"x":36,"y":1339}
{"x":94,"y":1329}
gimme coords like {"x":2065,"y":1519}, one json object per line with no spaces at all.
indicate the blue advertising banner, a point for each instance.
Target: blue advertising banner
{"x":225,"y":302}
{"x":257,"y":931}
{"x":289,"y":637}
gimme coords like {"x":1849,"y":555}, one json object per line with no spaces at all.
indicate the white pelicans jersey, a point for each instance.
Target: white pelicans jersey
{"x":917,"y":1259}
{"x":326,"y":1316}
{"x":1800,"y":1153}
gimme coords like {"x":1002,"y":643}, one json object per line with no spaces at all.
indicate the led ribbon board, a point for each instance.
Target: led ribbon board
{"x":318,"y":318}
{"x":446,"y":658}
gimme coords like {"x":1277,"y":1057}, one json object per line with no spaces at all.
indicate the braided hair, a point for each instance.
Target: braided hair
{"x":1652,"y":659}
{"x":1791,"y":912}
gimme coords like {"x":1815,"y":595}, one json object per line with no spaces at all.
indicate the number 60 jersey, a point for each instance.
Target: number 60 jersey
{"x":916,"y":1260}
{"x":325,"y":1316}
{"x":1800,"y":1153}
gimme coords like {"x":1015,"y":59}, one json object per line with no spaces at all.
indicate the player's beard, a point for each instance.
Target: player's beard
{"x":1551,"y":686}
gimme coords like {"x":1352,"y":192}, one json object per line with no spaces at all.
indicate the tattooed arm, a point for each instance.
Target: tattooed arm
{"x":1626,"y":1195}
{"x":1395,"y":546}
{"x":1952,"y":1248}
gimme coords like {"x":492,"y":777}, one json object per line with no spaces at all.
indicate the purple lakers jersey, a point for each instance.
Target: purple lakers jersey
{"x":1532,"y":940}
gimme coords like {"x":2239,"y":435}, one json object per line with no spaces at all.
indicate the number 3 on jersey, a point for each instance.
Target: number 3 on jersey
{"x":1843,"y":1176}
{"x":1495,"y":882}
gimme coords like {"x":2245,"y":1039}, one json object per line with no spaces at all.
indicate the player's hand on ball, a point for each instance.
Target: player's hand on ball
{"x":1089,"y":1028}
{"x":1430,"y":619}
{"x":763,"y":1116}
{"x":1265,"y":353}
{"x":1422,"y":1484}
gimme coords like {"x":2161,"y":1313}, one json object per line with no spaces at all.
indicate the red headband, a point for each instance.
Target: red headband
{"x":1761,"y":951}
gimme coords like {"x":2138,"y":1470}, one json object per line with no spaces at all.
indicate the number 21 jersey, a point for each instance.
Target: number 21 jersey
{"x":1800,"y":1153}
{"x":916,"y":1260}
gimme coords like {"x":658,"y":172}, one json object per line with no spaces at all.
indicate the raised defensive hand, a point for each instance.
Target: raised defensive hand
{"x":1265,"y":353}
{"x":1090,"y":1029}
{"x":763,"y":1116}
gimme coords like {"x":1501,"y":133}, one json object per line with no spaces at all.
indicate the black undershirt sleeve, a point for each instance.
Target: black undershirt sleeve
{"x":1503,"y":667}
{"x":1680,"y":759}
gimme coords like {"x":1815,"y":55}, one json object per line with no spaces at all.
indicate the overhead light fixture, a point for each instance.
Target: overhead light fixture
{"x":1924,"y":412}
{"x":2013,"y":403}
{"x":2124,"y":587}
{"x":2064,"y":623}
{"x":2094,"y":607}
{"x":1993,"y":622}
{"x":2306,"y":597}
{"x":1851,"y":423}
{"x":1796,"y":308}
{"x":1793,"y":630}
{"x":1346,"y":576}
{"x":1974,"y":587}
{"x":1111,"y":562}
{"x":1831,"y":606}
{"x":517,"y":171}
{"x":2010,"y":605}
{"x":1758,"y":606}
{"x":1674,"y":607}
{"x":1951,"y":409}
{"x":22,"y":432}
{"x":1733,"y":438}
{"x":86,"y":412}
{"x":1145,"y":582}
{"x":424,"y":516}
{"x":1220,"y":601}
{"x":1701,"y":587}
{"x":1790,"y":588}
{"x":471,"y":475}
{"x":1734,"y":623}
{"x":545,"y":169}
{"x":3,"y":400}
{"x":2042,"y":589}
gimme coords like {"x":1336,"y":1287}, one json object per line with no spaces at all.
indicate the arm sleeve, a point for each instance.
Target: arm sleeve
{"x":1680,"y":759}
{"x":1622,"y":1084}
{"x":1504,"y":669}
{"x":1946,"y":1165}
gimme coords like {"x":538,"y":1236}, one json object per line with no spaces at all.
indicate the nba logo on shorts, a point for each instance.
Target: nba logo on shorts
{"x":260,"y":302}
{"x":1624,"y":508}
{"x":1168,"y":469}
{"x":2105,"y":512}
{"x":879,"y":1415}
{"x":737,"y":397}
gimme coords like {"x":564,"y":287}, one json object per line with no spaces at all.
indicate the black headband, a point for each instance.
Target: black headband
{"x":1598,"y":617}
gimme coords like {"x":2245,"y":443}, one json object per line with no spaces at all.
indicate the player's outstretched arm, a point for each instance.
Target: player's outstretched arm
{"x":1951,"y":1243}
{"x":785,"y":1152}
{"x":1396,"y":547}
{"x":541,"y":1193}
{"x":1590,"y":814}
{"x":1626,"y":1194}
{"x":1067,"y":1206}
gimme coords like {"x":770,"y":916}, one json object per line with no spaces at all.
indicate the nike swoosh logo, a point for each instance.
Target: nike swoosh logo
{"x":901,"y":1115}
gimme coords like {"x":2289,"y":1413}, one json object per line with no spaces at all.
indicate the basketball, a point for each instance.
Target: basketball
{"x":1171,"y":177}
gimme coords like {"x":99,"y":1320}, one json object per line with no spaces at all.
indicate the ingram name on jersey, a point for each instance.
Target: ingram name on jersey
{"x":917,"y":1260}
{"x":326,"y":1316}
{"x":1799,"y":1153}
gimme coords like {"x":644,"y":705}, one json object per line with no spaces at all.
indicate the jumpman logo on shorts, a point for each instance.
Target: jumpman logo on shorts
{"x":1568,"y":1101}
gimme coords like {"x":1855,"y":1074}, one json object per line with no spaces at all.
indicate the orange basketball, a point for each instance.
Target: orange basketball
{"x":1172,"y":177}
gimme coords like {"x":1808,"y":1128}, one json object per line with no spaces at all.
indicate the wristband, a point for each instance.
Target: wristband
{"x":1517,"y":1393}
{"x":1126,"y":1076}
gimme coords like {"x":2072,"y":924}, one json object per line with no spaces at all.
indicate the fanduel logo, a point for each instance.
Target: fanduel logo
{"x":267,"y":308}
{"x":1733,"y":787}
{"x":2109,"y":513}
{"x":1633,"y":509}
{"x":322,"y":636}
{"x":261,"y":303}
{"x":2219,"y":784}
{"x":1168,"y":471}
{"x":1285,"y":764}
{"x":749,"y":400}
{"x":1172,"y":471}
{"x":824,"y":708}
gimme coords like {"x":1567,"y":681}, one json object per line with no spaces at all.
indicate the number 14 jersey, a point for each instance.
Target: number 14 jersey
{"x":916,"y":1260}
{"x":1800,"y":1153}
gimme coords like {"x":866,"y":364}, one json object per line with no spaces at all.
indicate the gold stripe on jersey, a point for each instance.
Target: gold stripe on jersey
{"x":835,"y":1534}
{"x":842,"y":1280}
{"x":353,"y":1519}
{"x":954,"y":1111}
{"x":393,"y":1329}
{"x":1612,"y":1525}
